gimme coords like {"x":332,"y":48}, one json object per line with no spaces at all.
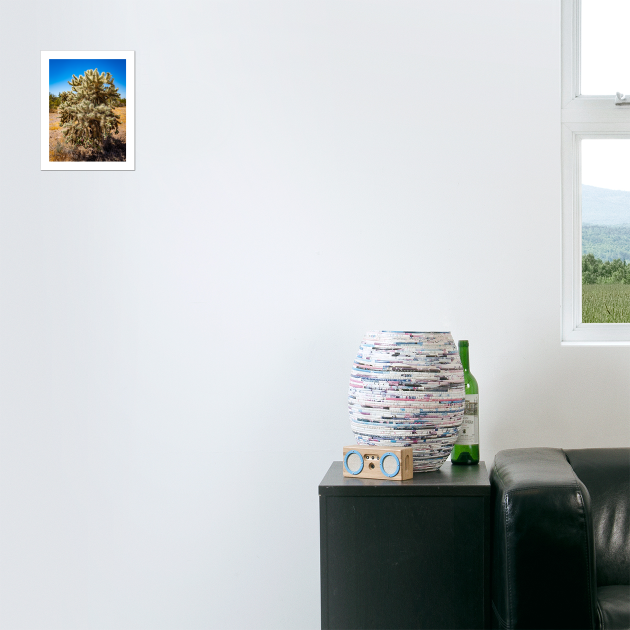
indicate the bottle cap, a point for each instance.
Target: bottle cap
{"x":463,"y":342}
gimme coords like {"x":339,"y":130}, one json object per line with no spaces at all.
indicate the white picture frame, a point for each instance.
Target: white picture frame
{"x":92,"y":56}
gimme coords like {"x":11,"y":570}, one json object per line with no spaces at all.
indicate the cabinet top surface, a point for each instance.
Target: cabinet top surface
{"x":449,"y":480}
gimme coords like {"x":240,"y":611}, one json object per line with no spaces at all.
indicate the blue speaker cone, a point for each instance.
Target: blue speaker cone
{"x":353,"y":462}
{"x":390,"y":464}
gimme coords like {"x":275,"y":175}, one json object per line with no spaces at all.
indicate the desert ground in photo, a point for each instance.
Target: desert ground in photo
{"x":114,"y":150}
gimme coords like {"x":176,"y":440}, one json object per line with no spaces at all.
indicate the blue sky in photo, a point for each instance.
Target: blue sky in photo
{"x":60,"y":71}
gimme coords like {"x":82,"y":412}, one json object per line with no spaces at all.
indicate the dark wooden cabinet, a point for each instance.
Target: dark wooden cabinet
{"x":406,"y":554}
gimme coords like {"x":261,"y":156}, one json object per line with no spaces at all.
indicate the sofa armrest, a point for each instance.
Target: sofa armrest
{"x":543,"y":565}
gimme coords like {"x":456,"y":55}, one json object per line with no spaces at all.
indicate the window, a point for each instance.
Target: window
{"x":595,"y":171}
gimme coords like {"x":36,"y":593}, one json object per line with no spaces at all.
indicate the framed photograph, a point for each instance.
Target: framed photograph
{"x":87,"y":110}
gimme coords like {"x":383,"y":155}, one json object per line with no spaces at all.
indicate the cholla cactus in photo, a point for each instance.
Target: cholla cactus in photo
{"x":86,"y":112}
{"x":64,"y":97}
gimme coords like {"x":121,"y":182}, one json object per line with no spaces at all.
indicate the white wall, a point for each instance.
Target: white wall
{"x":176,"y":341}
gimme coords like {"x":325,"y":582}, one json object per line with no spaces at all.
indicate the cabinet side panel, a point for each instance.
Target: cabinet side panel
{"x":323,"y":561}
{"x":487,"y":561}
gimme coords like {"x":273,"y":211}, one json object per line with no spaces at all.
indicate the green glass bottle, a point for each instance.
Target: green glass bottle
{"x":466,"y":449}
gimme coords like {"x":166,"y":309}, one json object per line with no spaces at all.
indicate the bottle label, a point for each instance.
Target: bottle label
{"x":469,"y":431}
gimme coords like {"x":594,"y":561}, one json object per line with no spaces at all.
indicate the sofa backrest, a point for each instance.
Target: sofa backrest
{"x":606,"y":474}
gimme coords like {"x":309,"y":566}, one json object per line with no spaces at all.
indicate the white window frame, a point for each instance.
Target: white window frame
{"x":582,"y":117}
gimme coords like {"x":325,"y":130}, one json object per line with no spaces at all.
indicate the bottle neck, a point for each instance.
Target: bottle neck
{"x":463,"y":354}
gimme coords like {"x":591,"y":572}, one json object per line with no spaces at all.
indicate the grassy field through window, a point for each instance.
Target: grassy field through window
{"x":606,"y":303}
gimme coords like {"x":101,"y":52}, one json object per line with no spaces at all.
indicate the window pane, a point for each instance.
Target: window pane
{"x":605,"y":231}
{"x":605,"y":49}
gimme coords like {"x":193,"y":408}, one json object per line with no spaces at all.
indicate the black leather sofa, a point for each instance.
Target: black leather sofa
{"x":561,"y":540}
